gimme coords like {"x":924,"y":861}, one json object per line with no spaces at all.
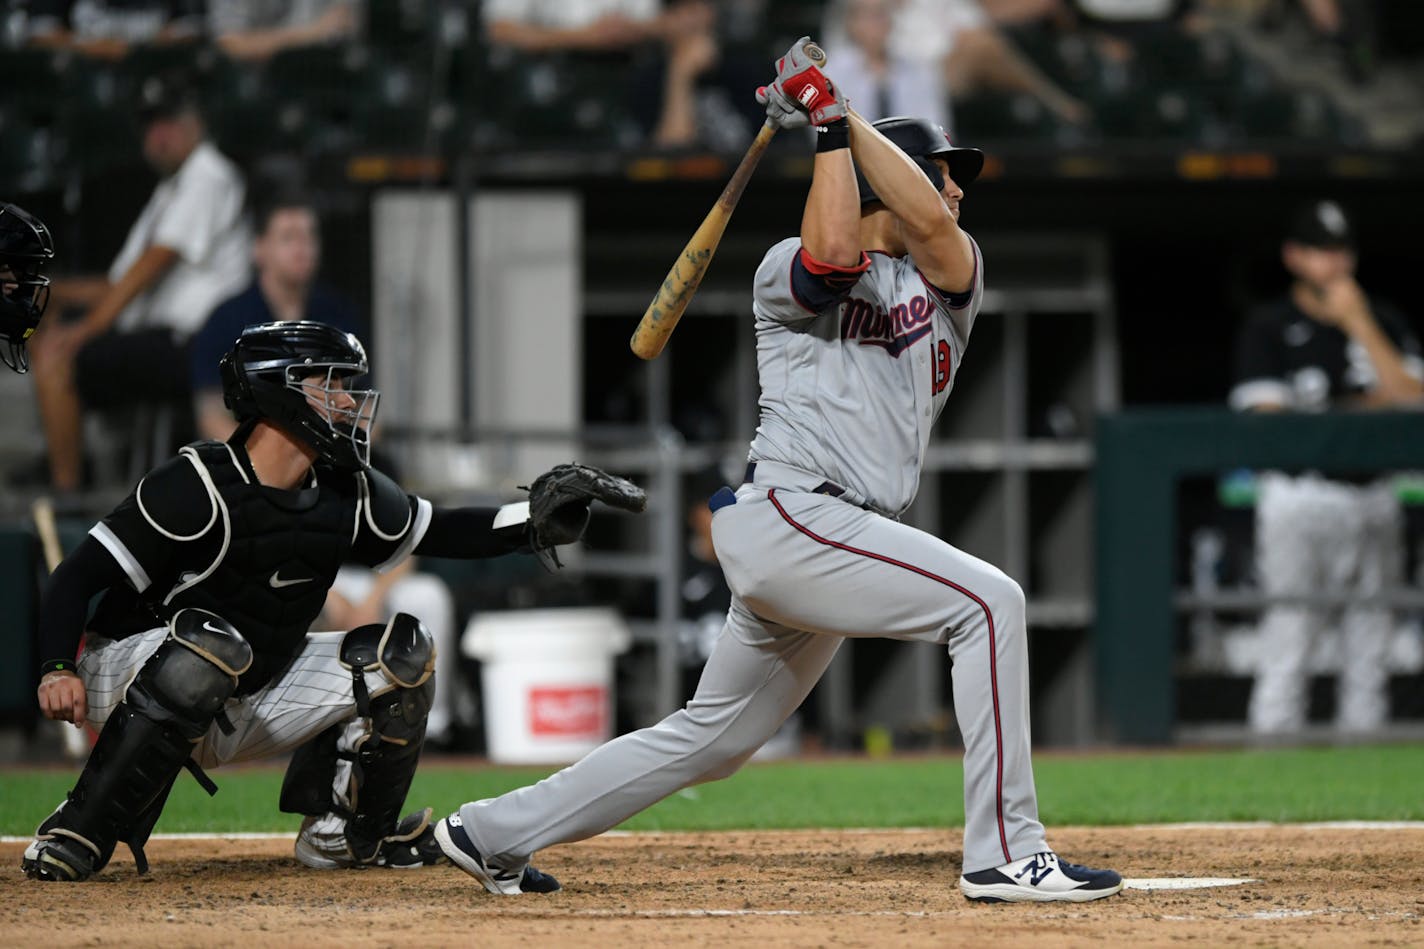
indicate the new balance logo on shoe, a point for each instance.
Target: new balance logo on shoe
{"x":1039,"y":866}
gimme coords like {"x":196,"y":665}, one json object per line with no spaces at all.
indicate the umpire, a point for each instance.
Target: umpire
{"x":211,"y":573}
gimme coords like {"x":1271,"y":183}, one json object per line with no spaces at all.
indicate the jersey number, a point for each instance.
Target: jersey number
{"x":940,"y":381}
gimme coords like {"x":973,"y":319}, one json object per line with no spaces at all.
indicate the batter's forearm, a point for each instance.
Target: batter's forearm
{"x":830,"y":224}
{"x":898,"y":181}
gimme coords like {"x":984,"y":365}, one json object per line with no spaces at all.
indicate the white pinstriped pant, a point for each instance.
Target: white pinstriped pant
{"x":313,"y":693}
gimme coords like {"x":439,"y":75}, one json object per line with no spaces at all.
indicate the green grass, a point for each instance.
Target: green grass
{"x":1361,"y":783}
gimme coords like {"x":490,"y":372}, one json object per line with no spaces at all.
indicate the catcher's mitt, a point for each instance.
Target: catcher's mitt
{"x":559,"y":500}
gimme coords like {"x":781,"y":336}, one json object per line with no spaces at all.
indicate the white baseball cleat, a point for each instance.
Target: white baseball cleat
{"x":1041,"y":878}
{"x":455,"y":843}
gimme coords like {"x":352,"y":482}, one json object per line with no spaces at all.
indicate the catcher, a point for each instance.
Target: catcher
{"x":211,"y":573}
{"x":26,"y":251}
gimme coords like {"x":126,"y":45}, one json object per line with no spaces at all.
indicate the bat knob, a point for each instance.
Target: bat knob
{"x":815,"y":54}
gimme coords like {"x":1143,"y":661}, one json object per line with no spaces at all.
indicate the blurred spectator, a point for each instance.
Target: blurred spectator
{"x":257,"y":29}
{"x":1021,"y":12}
{"x":187,"y":250}
{"x":287,"y":254}
{"x":1325,"y":344}
{"x":107,"y":29}
{"x":1118,"y":25}
{"x":957,"y":38}
{"x":878,"y":83}
{"x":683,"y":30}
{"x":1348,"y":26}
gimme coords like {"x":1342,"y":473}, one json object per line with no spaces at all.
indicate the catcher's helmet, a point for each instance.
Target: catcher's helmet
{"x":25,"y":253}
{"x":924,"y":141}
{"x":298,"y":374}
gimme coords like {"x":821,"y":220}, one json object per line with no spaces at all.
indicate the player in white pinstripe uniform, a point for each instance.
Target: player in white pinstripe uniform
{"x":862,"y":323}
{"x":199,"y":653}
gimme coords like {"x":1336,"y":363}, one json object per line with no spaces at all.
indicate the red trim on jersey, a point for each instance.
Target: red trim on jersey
{"x":993,"y":651}
{"x":822,"y":269}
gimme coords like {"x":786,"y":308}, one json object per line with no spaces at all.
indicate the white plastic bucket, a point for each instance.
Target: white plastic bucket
{"x":547,"y":679}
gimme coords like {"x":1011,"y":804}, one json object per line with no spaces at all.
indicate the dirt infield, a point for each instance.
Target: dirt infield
{"x":1317,"y":887}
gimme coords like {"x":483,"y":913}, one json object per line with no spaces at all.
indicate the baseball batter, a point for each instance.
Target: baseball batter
{"x":211,"y":573}
{"x":862,"y":322}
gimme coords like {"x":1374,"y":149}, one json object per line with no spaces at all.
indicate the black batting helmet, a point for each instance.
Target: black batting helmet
{"x":25,"y":252}
{"x":923,"y":141}
{"x":299,"y":375}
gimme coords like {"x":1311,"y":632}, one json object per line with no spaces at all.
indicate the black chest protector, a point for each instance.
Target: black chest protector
{"x":264,"y":563}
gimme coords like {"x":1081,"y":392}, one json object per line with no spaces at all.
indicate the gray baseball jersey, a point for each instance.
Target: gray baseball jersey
{"x":851,"y":392}
{"x":853,"y":373}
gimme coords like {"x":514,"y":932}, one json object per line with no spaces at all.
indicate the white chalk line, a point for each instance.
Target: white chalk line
{"x":1183,"y":883}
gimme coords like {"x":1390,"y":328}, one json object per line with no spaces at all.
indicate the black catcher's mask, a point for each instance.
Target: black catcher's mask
{"x":301,"y":376}
{"x":25,"y":252}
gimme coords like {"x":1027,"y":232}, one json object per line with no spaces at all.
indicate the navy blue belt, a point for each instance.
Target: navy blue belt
{"x":825,"y":487}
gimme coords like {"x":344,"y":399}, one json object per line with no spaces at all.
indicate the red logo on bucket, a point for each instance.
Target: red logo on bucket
{"x":567,"y":712}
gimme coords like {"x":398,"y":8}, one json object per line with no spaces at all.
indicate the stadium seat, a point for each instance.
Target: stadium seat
{"x":150,"y":60}
{"x":30,"y":75}
{"x":560,"y":101}
{"x":328,"y":85}
{"x":989,"y":117}
{"x":1068,"y":59}
{"x":328,"y":75}
{"x":1153,"y":114}
{"x":1301,"y":115}
{"x":95,"y":138}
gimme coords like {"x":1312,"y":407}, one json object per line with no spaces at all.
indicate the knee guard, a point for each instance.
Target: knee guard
{"x":369,"y":794}
{"x":148,"y":739}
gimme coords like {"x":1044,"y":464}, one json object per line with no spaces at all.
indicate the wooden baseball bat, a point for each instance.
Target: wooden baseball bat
{"x":74,"y":740}
{"x":682,"y":281}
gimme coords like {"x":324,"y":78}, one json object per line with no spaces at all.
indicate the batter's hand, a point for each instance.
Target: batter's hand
{"x":807,"y":86}
{"x":780,"y":110}
{"x":63,"y":697}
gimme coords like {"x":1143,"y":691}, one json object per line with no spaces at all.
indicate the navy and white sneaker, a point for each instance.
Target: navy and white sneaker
{"x":1041,"y":878}
{"x":455,"y":844}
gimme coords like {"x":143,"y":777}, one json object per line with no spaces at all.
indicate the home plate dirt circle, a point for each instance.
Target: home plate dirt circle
{"x":1270,"y":885}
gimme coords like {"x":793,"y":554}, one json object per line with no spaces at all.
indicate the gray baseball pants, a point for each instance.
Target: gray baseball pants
{"x":807,"y":571}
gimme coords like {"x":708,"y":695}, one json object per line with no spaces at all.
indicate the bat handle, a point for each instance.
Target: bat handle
{"x":814,"y":53}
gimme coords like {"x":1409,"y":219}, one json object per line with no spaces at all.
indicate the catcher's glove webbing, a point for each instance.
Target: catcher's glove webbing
{"x":559,"y":502}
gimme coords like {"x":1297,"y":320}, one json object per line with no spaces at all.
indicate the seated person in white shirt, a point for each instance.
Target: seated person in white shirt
{"x":188,"y":250}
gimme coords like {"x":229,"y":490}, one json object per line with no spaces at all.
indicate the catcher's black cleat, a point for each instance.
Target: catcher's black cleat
{"x":412,"y":845}
{"x":453,"y":840}
{"x":58,"y":859}
{"x":322,"y":845}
